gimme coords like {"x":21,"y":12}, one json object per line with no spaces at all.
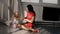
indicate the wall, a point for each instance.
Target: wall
{"x":52,"y":5}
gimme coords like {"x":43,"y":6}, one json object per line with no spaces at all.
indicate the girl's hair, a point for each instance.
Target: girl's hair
{"x":30,"y":8}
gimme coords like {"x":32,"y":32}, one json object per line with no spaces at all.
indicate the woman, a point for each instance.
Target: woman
{"x":30,"y":18}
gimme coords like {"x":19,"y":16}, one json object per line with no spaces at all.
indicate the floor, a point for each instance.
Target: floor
{"x":43,"y":30}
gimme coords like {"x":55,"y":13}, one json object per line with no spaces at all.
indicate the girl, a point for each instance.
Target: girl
{"x":29,"y":19}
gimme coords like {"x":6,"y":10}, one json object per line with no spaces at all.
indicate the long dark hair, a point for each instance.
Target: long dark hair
{"x":30,"y":8}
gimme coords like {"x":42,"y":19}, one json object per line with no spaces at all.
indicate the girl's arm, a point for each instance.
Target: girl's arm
{"x":31,"y":21}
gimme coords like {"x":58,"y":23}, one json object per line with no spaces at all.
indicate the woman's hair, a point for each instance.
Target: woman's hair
{"x":30,"y":8}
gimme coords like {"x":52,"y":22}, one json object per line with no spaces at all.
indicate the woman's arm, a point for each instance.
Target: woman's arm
{"x":30,"y":20}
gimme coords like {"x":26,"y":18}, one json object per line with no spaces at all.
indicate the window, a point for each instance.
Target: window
{"x":32,"y":1}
